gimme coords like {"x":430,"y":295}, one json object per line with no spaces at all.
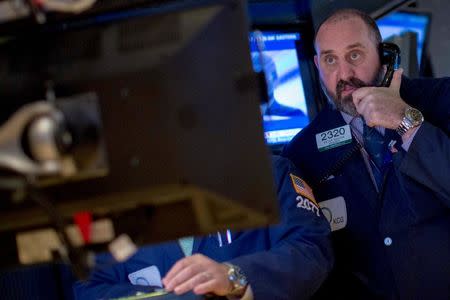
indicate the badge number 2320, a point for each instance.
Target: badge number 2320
{"x":334,"y":133}
{"x":333,"y":138}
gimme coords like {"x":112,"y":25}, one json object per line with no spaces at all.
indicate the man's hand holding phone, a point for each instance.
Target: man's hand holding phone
{"x":381,"y":106}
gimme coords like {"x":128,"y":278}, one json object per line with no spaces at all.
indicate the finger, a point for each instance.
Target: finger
{"x":182,"y":276}
{"x":177,"y":267}
{"x":213,"y":286}
{"x":360,"y":94}
{"x":191,"y":263}
{"x":396,"y":80}
{"x":361,"y":107}
{"x":192,"y":282}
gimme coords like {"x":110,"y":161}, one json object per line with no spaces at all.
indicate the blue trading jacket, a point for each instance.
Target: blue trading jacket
{"x":286,"y":261}
{"x":395,"y":245}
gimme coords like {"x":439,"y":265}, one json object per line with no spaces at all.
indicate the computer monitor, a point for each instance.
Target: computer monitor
{"x":275,"y":52}
{"x":181,"y":131}
{"x":400,"y":22}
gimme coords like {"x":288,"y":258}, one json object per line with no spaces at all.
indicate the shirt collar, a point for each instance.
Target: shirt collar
{"x":357,"y":124}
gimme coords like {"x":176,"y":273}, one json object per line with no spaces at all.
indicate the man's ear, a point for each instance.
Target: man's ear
{"x":316,"y":61}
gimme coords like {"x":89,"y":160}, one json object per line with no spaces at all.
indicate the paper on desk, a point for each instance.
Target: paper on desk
{"x":149,"y":276}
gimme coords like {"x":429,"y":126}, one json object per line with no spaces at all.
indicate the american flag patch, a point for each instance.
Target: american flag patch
{"x":302,"y":188}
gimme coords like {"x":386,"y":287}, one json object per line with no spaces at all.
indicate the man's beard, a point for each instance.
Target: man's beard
{"x":345,"y":103}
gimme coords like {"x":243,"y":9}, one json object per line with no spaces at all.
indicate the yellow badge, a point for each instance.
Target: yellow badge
{"x":302,"y":188}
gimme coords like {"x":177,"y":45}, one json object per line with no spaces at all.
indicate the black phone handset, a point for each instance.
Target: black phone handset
{"x":389,"y":56}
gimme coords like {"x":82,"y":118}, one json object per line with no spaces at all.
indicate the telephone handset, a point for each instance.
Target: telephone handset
{"x":389,"y":56}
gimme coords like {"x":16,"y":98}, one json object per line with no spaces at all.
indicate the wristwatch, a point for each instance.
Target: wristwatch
{"x":412,"y":118}
{"x":237,"y":279}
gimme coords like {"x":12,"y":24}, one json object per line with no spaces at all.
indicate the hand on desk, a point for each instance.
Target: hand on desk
{"x":199,"y":274}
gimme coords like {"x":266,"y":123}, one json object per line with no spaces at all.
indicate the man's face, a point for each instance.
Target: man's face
{"x":347,"y":59}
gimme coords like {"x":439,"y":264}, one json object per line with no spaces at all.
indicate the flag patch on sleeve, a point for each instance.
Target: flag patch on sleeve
{"x":302,"y":188}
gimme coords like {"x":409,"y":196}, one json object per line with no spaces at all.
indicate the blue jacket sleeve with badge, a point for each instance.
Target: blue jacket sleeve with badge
{"x":285,"y":261}
{"x":300,"y":256}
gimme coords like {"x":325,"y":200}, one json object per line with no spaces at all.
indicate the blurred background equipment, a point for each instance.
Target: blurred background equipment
{"x":113,"y":126}
{"x":100,"y":94}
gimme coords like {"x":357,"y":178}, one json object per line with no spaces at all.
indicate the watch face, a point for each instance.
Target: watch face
{"x":414,"y":115}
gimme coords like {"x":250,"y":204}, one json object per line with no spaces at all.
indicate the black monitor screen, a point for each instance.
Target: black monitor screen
{"x":162,"y":77}
{"x":286,"y":112}
{"x":399,"y":22}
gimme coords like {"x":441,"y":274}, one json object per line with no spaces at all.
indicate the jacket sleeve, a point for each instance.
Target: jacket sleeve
{"x":428,"y":158}
{"x":428,"y":161}
{"x":104,"y":284}
{"x":111,"y":280}
{"x":300,"y":256}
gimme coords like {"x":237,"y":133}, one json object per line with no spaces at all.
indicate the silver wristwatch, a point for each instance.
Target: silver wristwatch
{"x":411,"y":118}
{"x":237,"y":279}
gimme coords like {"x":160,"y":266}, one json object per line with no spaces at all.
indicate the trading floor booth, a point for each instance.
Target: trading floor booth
{"x":123,"y":115}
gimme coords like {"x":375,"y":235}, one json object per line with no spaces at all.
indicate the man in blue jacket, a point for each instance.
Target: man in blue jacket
{"x":389,"y":209}
{"x":286,"y":261}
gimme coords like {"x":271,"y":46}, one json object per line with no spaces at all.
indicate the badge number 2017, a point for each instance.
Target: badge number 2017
{"x":333,"y":138}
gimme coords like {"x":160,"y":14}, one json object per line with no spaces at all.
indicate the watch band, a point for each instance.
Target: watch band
{"x":411,"y":118}
{"x":403,"y":127}
{"x":237,"y":279}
